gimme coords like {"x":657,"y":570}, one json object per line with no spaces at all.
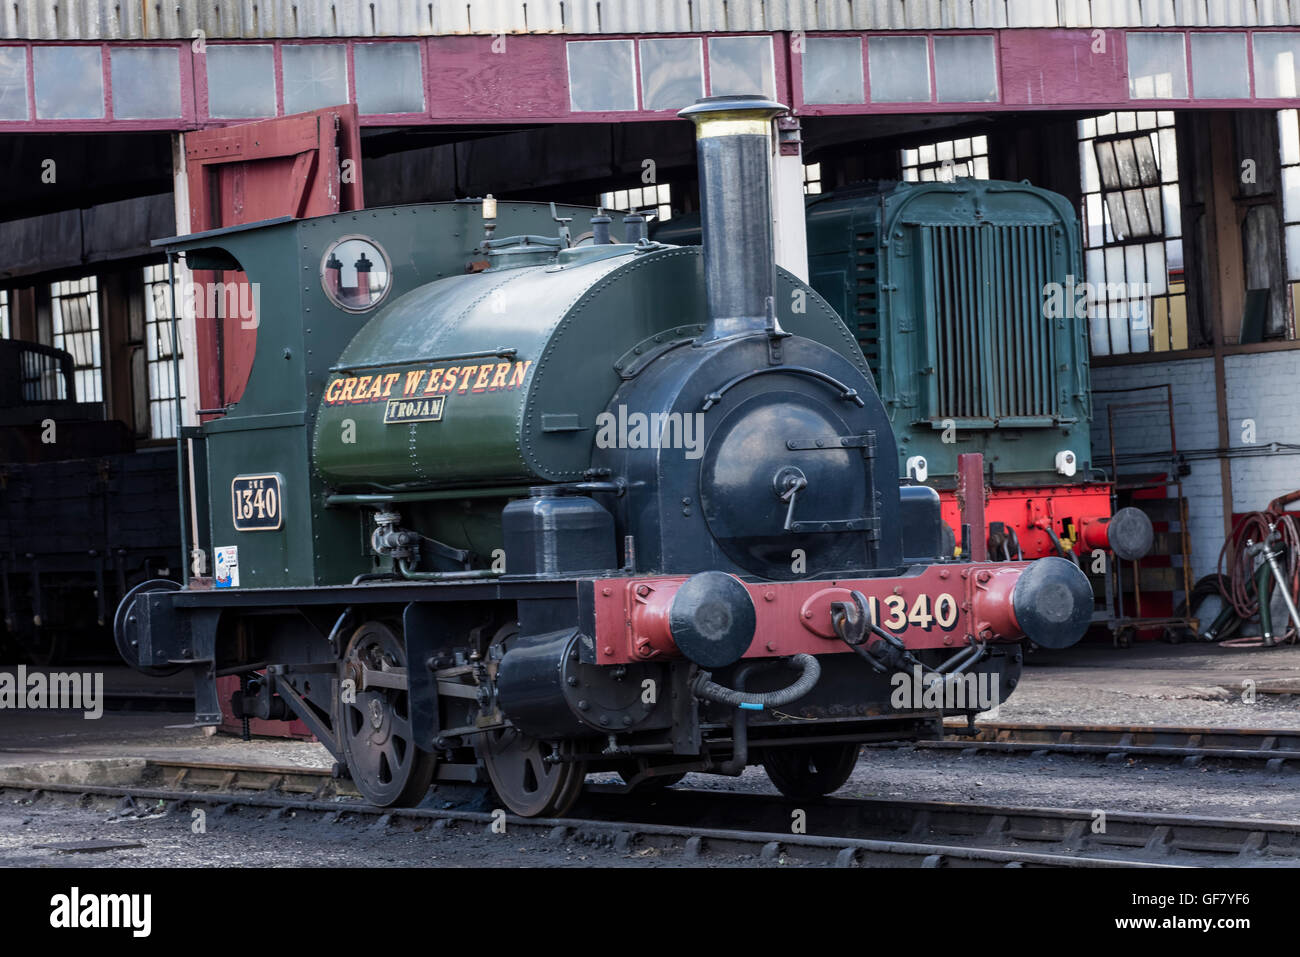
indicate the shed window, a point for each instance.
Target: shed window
{"x":1219,"y":67}
{"x":832,"y":70}
{"x":672,"y":72}
{"x":1157,"y":66}
{"x":159,"y":348}
{"x":1134,"y":290}
{"x":1288,"y":122}
{"x":74,"y":312}
{"x":69,"y":82}
{"x":601,"y":76}
{"x":146,"y":83}
{"x":965,"y":69}
{"x":315,"y":76}
{"x":1277,"y":64}
{"x":241,"y":80}
{"x":390,"y":78}
{"x":739,"y":65}
{"x":656,"y":199}
{"x":900,"y":69}
{"x":13,"y":84}
{"x":943,"y":162}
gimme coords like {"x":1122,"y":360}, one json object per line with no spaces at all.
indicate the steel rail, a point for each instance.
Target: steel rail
{"x":695,"y":843}
{"x":1259,"y":749}
{"x":701,"y":822}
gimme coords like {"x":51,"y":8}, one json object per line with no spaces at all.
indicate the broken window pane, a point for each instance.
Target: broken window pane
{"x":1106,"y":165}
{"x":390,"y":78}
{"x":1157,"y":66}
{"x":13,"y":84}
{"x":1135,"y":206}
{"x":741,"y":65}
{"x":315,"y":76}
{"x":69,"y":82}
{"x":900,"y":69}
{"x":832,"y":70}
{"x":1126,"y":162}
{"x":1130,"y":178}
{"x":672,"y":73}
{"x":1147,"y":169}
{"x":241,"y":80}
{"x":1118,"y":215}
{"x":146,"y":83}
{"x":601,"y":77}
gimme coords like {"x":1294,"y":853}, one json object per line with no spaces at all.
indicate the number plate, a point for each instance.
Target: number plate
{"x":256,"y":503}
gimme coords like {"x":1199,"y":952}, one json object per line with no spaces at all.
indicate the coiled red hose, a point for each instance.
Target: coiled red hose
{"x":1236,"y":577}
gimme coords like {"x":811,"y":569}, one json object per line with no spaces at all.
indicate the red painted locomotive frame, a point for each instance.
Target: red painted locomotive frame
{"x":942,"y":606}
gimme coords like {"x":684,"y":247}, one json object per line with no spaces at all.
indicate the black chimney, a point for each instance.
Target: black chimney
{"x":733,"y":145}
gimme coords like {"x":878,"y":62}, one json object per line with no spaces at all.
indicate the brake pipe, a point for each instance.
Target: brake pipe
{"x":703,"y":686}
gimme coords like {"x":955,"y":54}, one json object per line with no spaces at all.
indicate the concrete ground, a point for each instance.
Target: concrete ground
{"x":1154,"y":683}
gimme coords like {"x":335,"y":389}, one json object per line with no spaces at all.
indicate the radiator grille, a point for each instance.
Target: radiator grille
{"x":866,"y":286}
{"x":993,"y":344}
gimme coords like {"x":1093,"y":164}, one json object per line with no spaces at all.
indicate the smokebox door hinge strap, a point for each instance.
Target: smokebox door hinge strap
{"x":774,"y":333}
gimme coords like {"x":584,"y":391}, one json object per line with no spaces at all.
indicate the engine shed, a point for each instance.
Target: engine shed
{"x":1169,"y":128}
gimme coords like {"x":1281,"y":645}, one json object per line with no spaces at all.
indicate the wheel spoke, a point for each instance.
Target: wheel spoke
{"x":524,"y":780}
{"x":376,"y":734}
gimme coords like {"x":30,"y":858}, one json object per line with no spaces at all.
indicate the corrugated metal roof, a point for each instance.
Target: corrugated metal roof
{"x":247,"y":19}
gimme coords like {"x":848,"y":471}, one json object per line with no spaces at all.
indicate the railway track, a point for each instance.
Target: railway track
{"x":717,"y":825}
{"x":1264,"y":750}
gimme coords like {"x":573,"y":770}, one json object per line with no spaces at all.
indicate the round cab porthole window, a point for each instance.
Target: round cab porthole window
{"x":355,"y":273}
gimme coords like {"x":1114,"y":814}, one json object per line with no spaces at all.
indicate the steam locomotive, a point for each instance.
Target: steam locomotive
{"x":957,"y":295}
{"x":512,"y":509}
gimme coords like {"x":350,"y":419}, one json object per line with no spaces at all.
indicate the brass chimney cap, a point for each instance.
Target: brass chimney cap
{"x":748,"y":113}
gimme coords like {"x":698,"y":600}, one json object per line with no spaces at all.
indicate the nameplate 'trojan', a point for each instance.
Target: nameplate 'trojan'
{"x":414,"y":410}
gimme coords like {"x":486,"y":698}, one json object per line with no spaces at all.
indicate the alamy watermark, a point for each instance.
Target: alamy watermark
{"x":77,"y":910}
{"x":215,"y":300}
{"x":21,"y":690}
{"x":654,"y":430}
{"x":1071,"y":299}
{"x":973,"y":691}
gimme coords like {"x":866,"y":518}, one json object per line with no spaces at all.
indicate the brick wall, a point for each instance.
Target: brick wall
{"x":1147,"y":431}
{"x":1261,"y":387}
{"x":1265,"y":389}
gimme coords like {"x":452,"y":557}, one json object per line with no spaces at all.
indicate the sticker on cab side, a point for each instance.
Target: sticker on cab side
{"x":227,"y":559}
